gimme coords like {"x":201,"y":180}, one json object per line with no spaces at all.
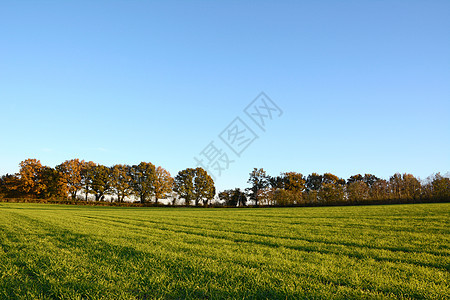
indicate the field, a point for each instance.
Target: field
{"x":75,"y":252}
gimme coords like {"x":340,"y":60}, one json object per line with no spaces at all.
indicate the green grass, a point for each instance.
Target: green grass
{"x":74,"y":252}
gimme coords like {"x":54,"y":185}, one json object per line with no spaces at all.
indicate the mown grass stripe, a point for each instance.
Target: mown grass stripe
{"x":115,"y":253}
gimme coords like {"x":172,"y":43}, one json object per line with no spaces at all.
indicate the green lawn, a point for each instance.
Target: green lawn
{"x":77,"y":252}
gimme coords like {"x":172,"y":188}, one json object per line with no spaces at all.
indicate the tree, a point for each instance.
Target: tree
{"x":441,"y":188}
{"x":396,"y":186}
{"x":355,"y":178}
{"x":194,"y":185}
{"x":411,"y":186}
{"x":265,"y":196}
{"x":294,"y":181}
{"x":331,"y":193}
{"x":259,"y":181}
{"x":287,"y":189}
{"x":331,"y":178}
{"x":121,"y":181}
{"x":143,"y":179}
{"x":51,"y":182}
{"x":163,"y":183}
{"x":30,"y":176}
{"x":311,"y":196}
{"x":314,"y":182}
{"x":276,"y":182}
{"x":404,"y":187}
{"x":226,"y":197}
{"x":87,"y":177}
{"x":294,"y":185}
{"x":10,"y":186}
{"x":331,"y":187}
{"x":313,"y":185}
{"x":370,"y":179}
{"x":184,"y":185}
{"x":240,"y":197}
{"x":233,"y":197}
{"x":70,"y":176}
{"x":203,"y":187}
{"x":100,"y":181}
{"x":284,"y":197}
{"x":357,"y":191}
{"x":379,"y":190}
{"x":426,"y":193}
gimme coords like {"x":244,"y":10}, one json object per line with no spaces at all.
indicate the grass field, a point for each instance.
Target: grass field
{"x":75,"y":252}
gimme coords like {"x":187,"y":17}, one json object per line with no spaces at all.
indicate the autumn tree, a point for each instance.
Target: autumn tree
{"x":38,"y":180}
{"x":194,"y":185}
{"x":10,"y":186}
{"x":294,"y":181}
{"x":357,"y":191}
{"x":331,"y":193}
{"x":411,"y":187}
{"x":311,"y":196}
{"x":163,"y":183}
{"x":121,"y":181}
{"x":265,"y":196}
{"x":286,"y":189}
{"x":357,"y":187}
{"x":331,"y":188}
{"x":259,"y":181}
{"x":294,"y":186}
{"x":70,"y":176}
{"x":283,"y":197}
{"x":355,"y":178}
{"x":333,"y":179}
{"x":30,"y":176}
{"x":379,"y":190}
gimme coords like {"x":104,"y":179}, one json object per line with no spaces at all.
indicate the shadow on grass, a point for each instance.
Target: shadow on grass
{"x":220,"y":234}
{"x":78,"y":266}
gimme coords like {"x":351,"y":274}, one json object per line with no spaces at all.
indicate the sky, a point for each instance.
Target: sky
{"x":360,"y":86}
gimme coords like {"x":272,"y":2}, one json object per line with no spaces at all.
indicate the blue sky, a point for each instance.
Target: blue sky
{"x":364,"y":85}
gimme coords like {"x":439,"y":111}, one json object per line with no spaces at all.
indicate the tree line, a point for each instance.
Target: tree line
{"x":77,"y":179}
{"x":292,"y":188}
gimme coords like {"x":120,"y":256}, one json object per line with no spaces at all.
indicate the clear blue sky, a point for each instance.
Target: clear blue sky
{"x":364,"y":85}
